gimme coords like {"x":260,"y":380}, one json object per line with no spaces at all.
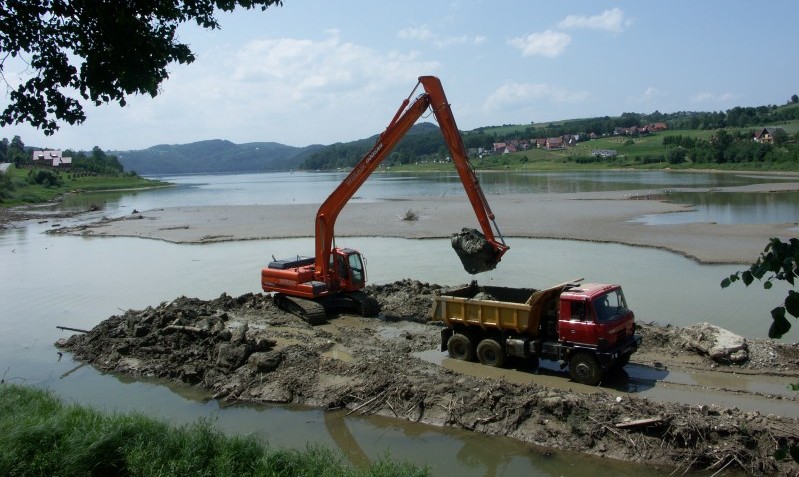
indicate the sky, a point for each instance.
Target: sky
{"x":320,"y":72}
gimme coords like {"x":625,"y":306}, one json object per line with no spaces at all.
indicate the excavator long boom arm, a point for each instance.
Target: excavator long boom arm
{"x":434,"y":98}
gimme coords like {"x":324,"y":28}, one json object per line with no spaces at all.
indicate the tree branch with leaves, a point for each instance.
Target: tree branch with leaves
{"x":779,"y":261}
{"x":95,"y":50}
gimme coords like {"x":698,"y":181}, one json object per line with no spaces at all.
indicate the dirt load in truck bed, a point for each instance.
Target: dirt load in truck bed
{"x":244,"y":349}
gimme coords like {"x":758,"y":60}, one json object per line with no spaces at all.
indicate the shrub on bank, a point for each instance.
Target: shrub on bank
{"x":41,"y":436}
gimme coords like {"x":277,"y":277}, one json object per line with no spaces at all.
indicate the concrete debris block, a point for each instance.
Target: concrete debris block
{"x":240,"y":334}
{"x":721,"y":345}
{"x":264,"y":362}
{"x":231,"y":355}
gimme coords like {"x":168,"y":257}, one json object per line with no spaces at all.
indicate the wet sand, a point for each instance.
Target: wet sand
{"x":598,"y":217}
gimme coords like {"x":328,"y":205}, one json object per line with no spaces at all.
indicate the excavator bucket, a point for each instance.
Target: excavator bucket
{"x":475,"y":251}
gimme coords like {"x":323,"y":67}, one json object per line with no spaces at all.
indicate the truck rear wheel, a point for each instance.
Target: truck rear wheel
{"x":490,"y":353}
{"x":585,"y":369}
{"x":460,"y":347}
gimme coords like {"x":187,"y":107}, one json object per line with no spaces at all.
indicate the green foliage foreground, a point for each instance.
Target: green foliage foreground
{"x":39,"y":435}
{"x":779,"y":261}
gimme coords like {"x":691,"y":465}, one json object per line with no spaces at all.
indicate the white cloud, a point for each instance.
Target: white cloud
{"x":295,"y":91}
{"x":421,"y":33}
{"x":424,"y":34}
{"x":707,"y":97}
{"x":610,"y":20}
{"x":650,"y":94}
{"x":517,"y":94}
{"x":548,"y":43}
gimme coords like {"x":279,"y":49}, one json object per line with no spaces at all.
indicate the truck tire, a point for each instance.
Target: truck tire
{"x":585,"y":369}
{"x":460,"y":347}
{"x":490,"y":353}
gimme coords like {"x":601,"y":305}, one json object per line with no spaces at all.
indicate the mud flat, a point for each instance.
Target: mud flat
{"x":244,"y":349}
{"x":599,"y":217}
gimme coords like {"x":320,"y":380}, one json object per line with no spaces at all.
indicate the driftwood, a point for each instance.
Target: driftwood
{"x":639,"y":422}
{"x":193,"y":329}
{"x":67,"y":328}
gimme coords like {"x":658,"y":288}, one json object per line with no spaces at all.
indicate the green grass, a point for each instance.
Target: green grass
{"x":647,"y":152}
{"x":40,"y":436}
{"x":23,"y":192}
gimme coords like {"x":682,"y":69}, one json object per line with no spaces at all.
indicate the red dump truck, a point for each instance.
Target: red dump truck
{"x":586,"y":327}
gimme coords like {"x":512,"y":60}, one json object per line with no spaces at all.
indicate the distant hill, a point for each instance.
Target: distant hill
{"x":213,"y":156}
{"x":423,"y":140}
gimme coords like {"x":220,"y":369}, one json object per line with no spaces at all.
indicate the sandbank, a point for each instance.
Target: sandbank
{"x":596,"y":216}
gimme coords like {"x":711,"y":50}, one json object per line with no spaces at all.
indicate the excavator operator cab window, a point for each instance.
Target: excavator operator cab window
{"x":357,"y":275}
{"x":341,"y":267}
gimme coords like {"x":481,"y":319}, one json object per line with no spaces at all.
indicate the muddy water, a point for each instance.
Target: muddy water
{"x":77,"y":282}
{"x":313,"y":188}
{"x":70,"y":281}
{"x":648,"y":382}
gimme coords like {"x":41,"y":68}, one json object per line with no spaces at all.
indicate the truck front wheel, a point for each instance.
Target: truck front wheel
{"x":490,"y":353}
{"x":585,"y":369}
{"x":460,"y":347}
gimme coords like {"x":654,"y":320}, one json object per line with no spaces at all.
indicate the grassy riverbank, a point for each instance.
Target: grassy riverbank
{"x":39,"y":435}
{"x":33,"y":186}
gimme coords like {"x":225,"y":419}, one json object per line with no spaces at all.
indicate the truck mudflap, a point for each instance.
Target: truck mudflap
{"x":607,"y":358}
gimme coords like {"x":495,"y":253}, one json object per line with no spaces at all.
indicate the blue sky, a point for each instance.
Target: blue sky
{"x":319,"y":72}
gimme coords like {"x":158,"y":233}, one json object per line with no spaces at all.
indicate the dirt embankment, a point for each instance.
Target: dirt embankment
{"x":244,"y":349}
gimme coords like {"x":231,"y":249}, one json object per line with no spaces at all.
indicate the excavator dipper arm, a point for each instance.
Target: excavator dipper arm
{"x":434,"y":98}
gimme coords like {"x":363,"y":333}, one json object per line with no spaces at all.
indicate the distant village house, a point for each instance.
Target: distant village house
{"x":766,"y":135}
{"x":51,"y":158}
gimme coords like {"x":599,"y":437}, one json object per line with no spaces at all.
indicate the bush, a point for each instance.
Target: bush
{"x":41,"y":436}
{"x":45,"y":178}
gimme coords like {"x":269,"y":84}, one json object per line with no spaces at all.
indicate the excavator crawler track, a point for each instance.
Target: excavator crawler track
{"x":366,"y":305}
{"x":310,"y":311}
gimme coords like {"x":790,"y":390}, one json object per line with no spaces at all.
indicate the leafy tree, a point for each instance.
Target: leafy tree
{"x":103,"y":50}
{"x":795,"y":98}
{"x":779,"y":261}
{"x":780,"y":137}
{"x":6,"y":186}
{"x":4,"y":150}
{"x":16,"y":152}
{"x":676,"y":155}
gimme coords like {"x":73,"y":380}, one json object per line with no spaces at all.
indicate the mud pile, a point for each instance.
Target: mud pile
{"x":244,"y":349}
{"x":475,"y":251}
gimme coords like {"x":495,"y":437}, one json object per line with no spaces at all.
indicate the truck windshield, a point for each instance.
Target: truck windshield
{"x":609,"y":306}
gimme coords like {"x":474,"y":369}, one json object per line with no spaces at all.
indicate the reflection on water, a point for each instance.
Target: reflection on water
{"x":730,"y":208}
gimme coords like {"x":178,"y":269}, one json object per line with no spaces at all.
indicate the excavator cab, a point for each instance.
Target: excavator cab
{"x":348,"y":265}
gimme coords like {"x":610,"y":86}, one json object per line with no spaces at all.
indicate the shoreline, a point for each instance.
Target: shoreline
{"x":602,"y":217}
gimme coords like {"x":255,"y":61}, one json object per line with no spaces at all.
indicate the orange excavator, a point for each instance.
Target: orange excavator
{"x":334,"y":277}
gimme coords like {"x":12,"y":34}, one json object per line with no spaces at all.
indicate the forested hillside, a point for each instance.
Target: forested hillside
{"x":425,"y":144}
{"x":213,"y":156}
{"x":422,"y":140}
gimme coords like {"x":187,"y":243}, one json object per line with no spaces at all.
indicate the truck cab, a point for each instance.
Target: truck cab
{"x":594,"y":315}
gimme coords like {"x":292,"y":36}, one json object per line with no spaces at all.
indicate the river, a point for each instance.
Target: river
{"x":53,"y":280}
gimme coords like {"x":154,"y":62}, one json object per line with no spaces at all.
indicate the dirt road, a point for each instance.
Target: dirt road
{"x":662,"y":409}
